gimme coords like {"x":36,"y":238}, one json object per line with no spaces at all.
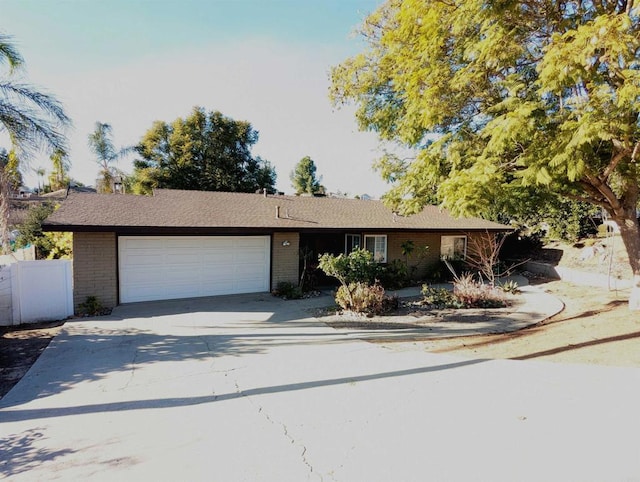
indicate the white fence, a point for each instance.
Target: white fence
{"x":32,"y":291}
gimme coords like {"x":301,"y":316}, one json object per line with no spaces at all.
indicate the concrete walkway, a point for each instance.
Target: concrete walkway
{"x":250,"y":388}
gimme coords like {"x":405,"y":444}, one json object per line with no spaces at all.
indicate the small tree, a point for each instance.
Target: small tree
{"x":31,"y":232}
{"x":483,"y":255}
{"x":59,"y":177}
{"x":356,"y":267}
{"x":303,"y":178}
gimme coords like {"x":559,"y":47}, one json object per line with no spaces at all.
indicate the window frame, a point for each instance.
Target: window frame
{"x":453,"y":237}
{"x":375,"y":236}
{"x":348,"y":249}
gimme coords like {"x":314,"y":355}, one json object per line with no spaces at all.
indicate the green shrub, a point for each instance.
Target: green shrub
{"x":439,"y":297}
{"x":364,"y":298}
{"x":90,"y":307}
{"x":357,"y":267}
{"x":287,"y":290}
{"x":395,"y":275}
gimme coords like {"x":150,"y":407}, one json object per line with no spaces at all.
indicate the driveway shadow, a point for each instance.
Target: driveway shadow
{"x":32,"y":414}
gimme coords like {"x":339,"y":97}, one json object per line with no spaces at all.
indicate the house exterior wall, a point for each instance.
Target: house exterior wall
{"x":285,"y":259}
{"x":422,"y":260}
{"x":95,"y":268}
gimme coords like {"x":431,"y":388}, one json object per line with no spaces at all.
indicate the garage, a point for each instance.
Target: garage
{"x":170,"y":267}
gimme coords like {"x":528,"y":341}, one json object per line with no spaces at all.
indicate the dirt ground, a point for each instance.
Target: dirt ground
{"x":595,"y":327}
{"x":20,"y":348}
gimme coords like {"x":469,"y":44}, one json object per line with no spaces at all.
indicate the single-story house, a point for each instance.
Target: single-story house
{"x":180,"y":244}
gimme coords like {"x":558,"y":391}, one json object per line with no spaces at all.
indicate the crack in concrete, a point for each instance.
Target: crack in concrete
{"x":133,"y":363}
{"x":285,"y":431}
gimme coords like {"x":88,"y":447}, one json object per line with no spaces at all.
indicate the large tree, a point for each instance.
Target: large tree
{"x":303,"y":177}
{"x":205,"y":151}
{"x":497,"y":96}
{"x":31,"y":119}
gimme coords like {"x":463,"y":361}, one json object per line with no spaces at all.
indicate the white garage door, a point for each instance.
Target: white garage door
{"x":169,"y":267}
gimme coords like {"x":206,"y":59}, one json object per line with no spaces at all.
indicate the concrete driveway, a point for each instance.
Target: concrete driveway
{"x":251,"y":388}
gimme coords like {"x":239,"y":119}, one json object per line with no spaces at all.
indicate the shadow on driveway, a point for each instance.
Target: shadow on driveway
{"x":31,"y":414}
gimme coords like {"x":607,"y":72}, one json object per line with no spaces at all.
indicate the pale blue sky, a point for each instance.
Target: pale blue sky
{"x":131,"y":62}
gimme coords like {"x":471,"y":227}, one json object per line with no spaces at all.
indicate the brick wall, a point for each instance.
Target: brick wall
{"x":285,"y":259}
{"x":95,"y":268}
{"x":432,"y":240}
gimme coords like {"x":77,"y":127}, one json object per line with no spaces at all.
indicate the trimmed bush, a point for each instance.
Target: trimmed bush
{"x":364,"y":298}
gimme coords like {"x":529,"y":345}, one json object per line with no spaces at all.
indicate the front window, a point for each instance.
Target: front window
{"x":351,"y":242}
{"x":453,"y":247}
{"x":378,"y":246}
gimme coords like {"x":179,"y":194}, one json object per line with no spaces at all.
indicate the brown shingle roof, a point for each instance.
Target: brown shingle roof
{"x":214,"y":210}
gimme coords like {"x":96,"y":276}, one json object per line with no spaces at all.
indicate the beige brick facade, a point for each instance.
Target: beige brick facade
{"x":95,"y":268}
{"x":421,"y":259}
{"x":285,"y":262}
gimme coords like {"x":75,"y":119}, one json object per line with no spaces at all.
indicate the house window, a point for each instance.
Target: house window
{"x":351,"y":242}
{"x":377,"y":244}
{"x":453,"y":247}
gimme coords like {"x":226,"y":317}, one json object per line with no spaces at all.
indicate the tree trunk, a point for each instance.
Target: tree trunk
{"x":630,"y":234}
{"x":4,"y":212}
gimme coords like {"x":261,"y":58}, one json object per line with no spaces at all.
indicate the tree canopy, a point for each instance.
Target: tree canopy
{"x":205,"y":151}
{"x":303,"y":177}
{"x":500,"y":97}
{"x":101,"y":144}
{"x":31,"y":119}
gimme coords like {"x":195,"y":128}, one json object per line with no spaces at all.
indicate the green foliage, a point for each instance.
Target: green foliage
{"x":500,"y":100}
{"x":287,"y":291}
{"x":364,"y":298}
{"x":101,"y":144}
{"x":90,"y":307}
{"x":205,"y":151}
{"x":59,"y":177}
{"x":510,"y":286}
{"x":571,"y":221}
{"x":31,"y":230}
{"x":395,"y":275}
{"x":356,"y":267}
{"x":58,"y":244}
{"x":30,"y":119}
{"x":10,"y":164}
{"x":303,"y":178}
{"x":439,"y":297}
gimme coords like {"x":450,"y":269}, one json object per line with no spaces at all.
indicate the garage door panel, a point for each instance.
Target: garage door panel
{"x":251,"y":242}
{"x":218,"y":257}
{"x":170,"y":267}
{"x":251,"y":258}
{"x":140,"y":257}
{"x":144,"y":243}
{"x":177,"y":258}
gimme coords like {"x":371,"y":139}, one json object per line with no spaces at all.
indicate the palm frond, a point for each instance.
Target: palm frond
{"x":32,"y":119}
{"x":8,"y":53}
